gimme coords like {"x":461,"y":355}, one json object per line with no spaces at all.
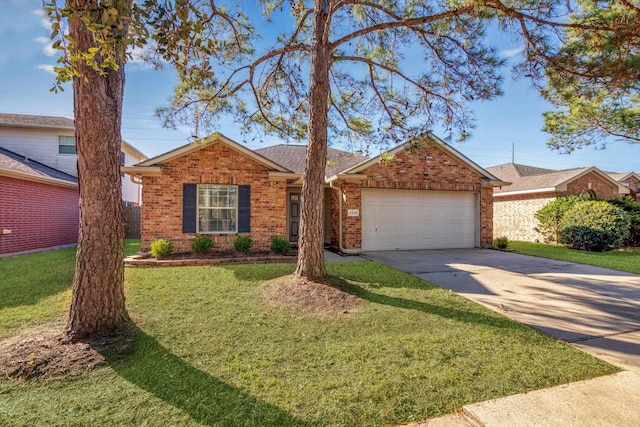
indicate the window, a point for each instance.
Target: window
{"x":122,"y":157}
{"x":66,"y":144}
{"x":217,"y":208}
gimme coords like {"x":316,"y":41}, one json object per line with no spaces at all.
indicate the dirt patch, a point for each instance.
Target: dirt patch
{"x":313,"y":298}
{"x":45,"y":353}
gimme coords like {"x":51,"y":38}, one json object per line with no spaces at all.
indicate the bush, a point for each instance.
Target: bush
{"x":243,"y":244}
{"x":501,"y":242}
{"x":594,"y":226}
{"x":550,"y":216}
{"x":632,"y":208}
{"x":161,"y":248}
{"x":280,"y":246}
{"x":201,"y":245}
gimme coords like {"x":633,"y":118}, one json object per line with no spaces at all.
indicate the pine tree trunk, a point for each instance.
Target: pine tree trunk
{"x":311,"y":244}
{"x":97,"y":303}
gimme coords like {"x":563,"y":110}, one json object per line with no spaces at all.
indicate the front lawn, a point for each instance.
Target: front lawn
{"x":211,"y":352}
{"x":626,"y":259}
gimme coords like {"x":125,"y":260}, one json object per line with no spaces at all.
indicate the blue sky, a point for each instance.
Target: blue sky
{"x":514,"y":119}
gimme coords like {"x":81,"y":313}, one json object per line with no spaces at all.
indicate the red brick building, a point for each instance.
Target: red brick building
{"x":39,"y":206}
{"x":422,"y":194}
{"x":531,"y":188}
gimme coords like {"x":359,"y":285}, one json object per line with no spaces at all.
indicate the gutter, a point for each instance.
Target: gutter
{"x":342,"y":249}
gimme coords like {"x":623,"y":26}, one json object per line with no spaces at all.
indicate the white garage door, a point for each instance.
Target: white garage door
{"x":413,"y":219}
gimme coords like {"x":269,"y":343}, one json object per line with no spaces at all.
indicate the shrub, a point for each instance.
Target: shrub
{"x":243,"y":244}
{"x":201,"y":245}
{"x":501,"y":242}
{"x":632,"y":208}
{"x":594,"y":226}
{"x":280,"y":246}
{"x":161,"y":248}
{"x":550,"y":216}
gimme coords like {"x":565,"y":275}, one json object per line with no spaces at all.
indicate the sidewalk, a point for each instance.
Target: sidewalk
{"x":612,"y":400}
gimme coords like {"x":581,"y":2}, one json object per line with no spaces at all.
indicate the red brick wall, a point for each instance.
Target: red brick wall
{"x":602,"y":189}
{"x":634,"y":187}
{"x":38,"y":215}
{"x":407,"y":171}
{"x":161,"y":211}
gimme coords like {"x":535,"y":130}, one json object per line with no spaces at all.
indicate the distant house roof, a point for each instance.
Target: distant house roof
{"x":17,"y":166}
{"x":51,"y":122}
{"x":35,"y":121}
{"x":623,"y":176}
{"x":293,"y":158}
{"x":531,"y":179}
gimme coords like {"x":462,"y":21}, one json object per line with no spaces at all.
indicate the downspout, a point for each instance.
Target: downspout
{"x":342,"y":249}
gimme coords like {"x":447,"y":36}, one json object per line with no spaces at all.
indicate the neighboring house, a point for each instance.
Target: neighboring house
{"x":416,"y":196}
{"x":514,"y":207}
{"x":51,"y":141}
{"x":39,"y":206}
{"x":631,"y":180}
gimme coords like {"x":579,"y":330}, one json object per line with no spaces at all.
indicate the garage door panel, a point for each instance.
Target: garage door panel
{"x":406,"y":219}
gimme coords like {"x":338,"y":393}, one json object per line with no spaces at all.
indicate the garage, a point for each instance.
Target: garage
{"x":418,"y":219}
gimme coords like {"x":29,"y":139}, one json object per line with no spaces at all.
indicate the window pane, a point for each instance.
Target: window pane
{"x":217,"y":208}
{"x":217,"y":221}
{"x":66,"y":144}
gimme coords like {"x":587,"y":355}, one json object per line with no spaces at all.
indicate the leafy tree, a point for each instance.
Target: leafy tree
{"x":600,"y":98}
{"x":95,"y":48}
{"x":369,"y":73}
{"x":364,"y":71}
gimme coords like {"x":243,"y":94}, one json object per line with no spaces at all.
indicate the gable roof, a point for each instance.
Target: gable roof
{"x":493,"y":180}
{"x":530,"y":179}
{"x":293,"y":157}
{"x":32,"y":121}
{"x":17,"y":166}
{"x":623,"y":176}
{"x":154,"y":164}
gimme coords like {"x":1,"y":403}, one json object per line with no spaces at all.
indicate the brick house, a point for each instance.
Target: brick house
{"x":532,"y":188}
{"x":422,"y":194}
{"x":39,"y":206}
{"x":631,"y":180}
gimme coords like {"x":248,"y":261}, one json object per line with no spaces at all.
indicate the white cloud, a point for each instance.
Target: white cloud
{"x":44,"y":19}
{"x":46,"y":46}
{"x":46,"y":67}
{"x":510,"y":53}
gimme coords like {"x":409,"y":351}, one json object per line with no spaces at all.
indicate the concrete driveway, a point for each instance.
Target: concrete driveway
{"x":594,"y":308}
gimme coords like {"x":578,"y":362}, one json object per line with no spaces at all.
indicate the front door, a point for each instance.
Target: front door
{"x":294,"y":216}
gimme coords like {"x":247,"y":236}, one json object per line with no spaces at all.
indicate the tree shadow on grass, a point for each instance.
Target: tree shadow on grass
{"x":206,"y":399}
{"x":489,"y":319}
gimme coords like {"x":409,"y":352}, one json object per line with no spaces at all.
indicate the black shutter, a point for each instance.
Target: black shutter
{"x":244,"y":208}
{"x":189,"y":208}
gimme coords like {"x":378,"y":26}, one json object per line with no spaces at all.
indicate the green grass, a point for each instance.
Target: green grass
{"x":47,"y":277}
{"x":210,"y":352}
{"x":627,"y":259}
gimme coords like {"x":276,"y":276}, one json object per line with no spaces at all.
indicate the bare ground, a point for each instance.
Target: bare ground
{"x":45,"y":353}
{"x":312,"y":298}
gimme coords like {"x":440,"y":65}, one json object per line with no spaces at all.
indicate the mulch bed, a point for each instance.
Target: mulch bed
{"x":46,"y":353}
{"x":308,"y":297}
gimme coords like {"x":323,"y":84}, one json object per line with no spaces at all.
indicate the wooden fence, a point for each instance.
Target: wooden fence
{"x":131,"y":222}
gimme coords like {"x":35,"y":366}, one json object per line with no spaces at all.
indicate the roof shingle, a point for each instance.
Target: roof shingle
{"x":18,"y":163}
{"x":293,"y":157}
